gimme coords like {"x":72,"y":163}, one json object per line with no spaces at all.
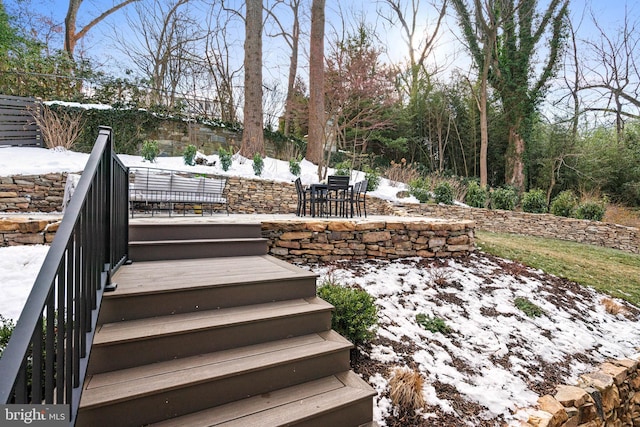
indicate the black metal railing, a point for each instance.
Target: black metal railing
{"x":46,"y":358}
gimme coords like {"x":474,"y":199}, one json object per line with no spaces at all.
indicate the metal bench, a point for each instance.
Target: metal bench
{"x":154,"y":190}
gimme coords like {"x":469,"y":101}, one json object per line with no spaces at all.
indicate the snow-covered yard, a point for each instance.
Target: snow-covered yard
{"x":495,"y":361}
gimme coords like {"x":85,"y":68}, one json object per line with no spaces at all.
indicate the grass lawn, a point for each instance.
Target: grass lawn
{"x":611,"y":271}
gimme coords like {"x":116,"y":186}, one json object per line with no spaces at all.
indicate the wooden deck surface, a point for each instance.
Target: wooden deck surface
{"x":159,"y":276}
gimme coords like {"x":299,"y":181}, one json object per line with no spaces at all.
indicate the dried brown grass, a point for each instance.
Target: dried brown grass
{"x":613,"y":307}
{"x":623,"y":215}
{"x":406,"y":389}
{"x":401,"y":172}
{"x":59,"y":128}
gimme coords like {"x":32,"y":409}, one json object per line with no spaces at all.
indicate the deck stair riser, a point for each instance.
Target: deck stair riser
{"x":168,"y":241}
{"x":206,"y":329}
{"x":127,"y":344}
{"x":189,"y":231}
{"x":199,"y":383}
{"x":193,"y":249}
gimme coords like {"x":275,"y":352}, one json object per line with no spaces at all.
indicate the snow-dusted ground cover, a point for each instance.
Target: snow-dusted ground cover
{"x":495,"y":361}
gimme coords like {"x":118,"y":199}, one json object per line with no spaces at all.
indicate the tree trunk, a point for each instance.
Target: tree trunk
{"x":70,"y":27}
{"x":253,"y":137}
{"x":317,"y":121}
{"x":293,"y":70}
{"x":484,"y":132}
{"x":514,"y":161}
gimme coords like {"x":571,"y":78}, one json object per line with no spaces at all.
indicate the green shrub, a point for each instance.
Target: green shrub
{"x":527,"y":307}
{"x":433,"y":324}
{"x":504,"y":198}
{"x":564,"y":204}
{"x":150,"y":151}
{"x":294,"y":167}
{"x":592,"y":210}
{"x":225,"y":158}
{"x":6,"y":328}
{"x":534,"y":201}
{"x":343,"y":168}
{"x":258,"y":164}
{"x":443,"y":193}
{"x":189,"y":155}
{"x":373,"y":178}
{"x":419,"y":188}
{"x":355,"y":316}
{"x":476,"y":196}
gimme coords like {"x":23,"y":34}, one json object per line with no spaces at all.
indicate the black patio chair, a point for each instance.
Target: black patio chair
{"x":339,"y":195}
{"x":359,"y":196}
{"x":304,"y":198}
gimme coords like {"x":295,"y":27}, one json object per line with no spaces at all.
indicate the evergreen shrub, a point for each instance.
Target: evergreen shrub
{"x":189,"y":155}
{"x":150,"y":151}
{"x":419,"y":188}
{"x":443,"y":193}
{"x":373,"y":178}
{"x":476,"y":196}
{"x":592,"y":210}
{"x":564,"y":204}
{"x":534,"y":201}
{"x":355,"y":316}
{"x":505,"y":198}
{"x":258,"y":164}
{"x":225,"y":158}
{"x":294,"y":167}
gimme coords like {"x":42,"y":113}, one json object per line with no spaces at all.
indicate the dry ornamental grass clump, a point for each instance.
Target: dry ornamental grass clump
{"x":613,"y":307}
{"x":406,"y":389}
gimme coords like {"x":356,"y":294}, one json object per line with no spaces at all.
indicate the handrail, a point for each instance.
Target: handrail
{"x":46,"y":358}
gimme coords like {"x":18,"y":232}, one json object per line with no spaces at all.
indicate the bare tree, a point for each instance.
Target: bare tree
{"x":164,"y":48}
{"x":317,"y":120}
{"x":71,"y":36}
{"x":481,"y":36}
{"x":611,"y":72}
{"x":252,"y":137}
{"x":292,"y":38}
{"x":419,"y":45}
{"x":218,"y":58}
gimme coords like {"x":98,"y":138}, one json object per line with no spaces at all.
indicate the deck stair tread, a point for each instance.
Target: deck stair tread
{"x":149,"y":328}
{"x":151,"y":276}
{"x":281,"y":407}
{"x":206,"y":328}
{"x":105,"y":388}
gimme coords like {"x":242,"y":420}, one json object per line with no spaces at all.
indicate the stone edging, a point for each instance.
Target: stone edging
{"x":17,"y":231}
{"x":609,"y":396}
{"x":329,"y":240}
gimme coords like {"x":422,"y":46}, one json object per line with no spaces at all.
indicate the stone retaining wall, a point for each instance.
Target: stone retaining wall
{"x":32,"y":193}
{"x":607,"y":397}
{"x":18,"y":231}
{"x":541,"y":225}
{"x":329,"y":240}
{"x":45,"y":194}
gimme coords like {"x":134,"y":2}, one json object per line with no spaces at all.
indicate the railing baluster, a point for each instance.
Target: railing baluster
{"x":36,"y":381}
{"x":60,"y":332}
{"x":49,"y":348}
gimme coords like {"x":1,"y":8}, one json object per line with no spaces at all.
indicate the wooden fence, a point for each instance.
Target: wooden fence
{"x":17,"y":126}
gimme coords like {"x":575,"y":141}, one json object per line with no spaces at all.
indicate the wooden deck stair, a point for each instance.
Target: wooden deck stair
{"x":195,"y":339}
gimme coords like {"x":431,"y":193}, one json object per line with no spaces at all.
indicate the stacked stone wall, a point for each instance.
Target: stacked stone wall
{"x":542,"y":225}
{"x":32,"y":193}
{"x":18,"y":231}
{"x":35,"y":193}
{"x":608,"y":397}
{"x":329,"y":240}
